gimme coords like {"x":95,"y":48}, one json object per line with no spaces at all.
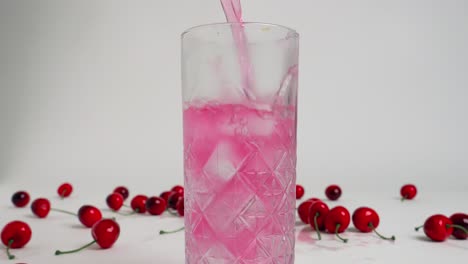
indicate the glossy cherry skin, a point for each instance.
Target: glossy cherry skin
{"x":65,"y":190}
{"x":165,"y":195}
{"x":20,"y":198}
{"x":155,"y":205}
{"x":174,"y":199}
{"x":178,"y":189}
{"x":333,"y":192}
{"x":138,"y":203}
{"x":299,"y":191}
{"x":18,"y":231}
{"x":460,"y":219}
{"x":41,"y":207}
{"x":303,"y":211}
{"x":337,"y":216}
{"x":321,"y":209}
{"x":437,"y":227}
{"x":365,"y":219}
{"x":106,"y":232}
{"x":89,"y":215}
{"x":408,"y":191}
{"x":123,"y":191}
{"x":115,"y":201}
{"x":180,"y":207}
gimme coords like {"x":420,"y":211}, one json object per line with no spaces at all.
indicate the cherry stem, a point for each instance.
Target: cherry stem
{"x":345,"y":240}
{"x":62,"y":195}
{"x":163,"y":232}
{"x":392,"y":238}
{"x":63,"y":211}
{"x":417,"y":228}
{"x":10,"y":256}
{"x":128,"y":206}
{"x":403,"y":198}
{"x":462,"y":228}
{"x":316,"y":226}
{"x":58,"y":252}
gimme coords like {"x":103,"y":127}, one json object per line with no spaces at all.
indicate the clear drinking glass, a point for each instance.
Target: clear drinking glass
{"x":240,"y":99}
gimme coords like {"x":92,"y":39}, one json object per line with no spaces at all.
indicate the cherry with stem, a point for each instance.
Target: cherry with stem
{"x":367,"y":220}
{"x":408,"y":192}
{"x":460,"y":227}
{"x":104,"y":232}
{"x":337,"y":221}
{"x":41,"y":208}
{"x":317,"y":213}
{"x":15,"y":235}
{"x":65,"y":190}
{"x":439,"y":227}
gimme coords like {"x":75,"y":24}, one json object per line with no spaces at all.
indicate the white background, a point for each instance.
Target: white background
{"x":90,"y":93}
{"x":91,"y":90}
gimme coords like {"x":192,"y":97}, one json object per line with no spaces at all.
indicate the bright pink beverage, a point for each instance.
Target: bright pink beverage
{"x":240,"y":183}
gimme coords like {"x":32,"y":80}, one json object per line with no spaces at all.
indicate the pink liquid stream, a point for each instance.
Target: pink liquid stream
{"x":233,"y":12}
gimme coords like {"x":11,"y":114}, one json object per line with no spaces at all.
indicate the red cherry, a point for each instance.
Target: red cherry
{"x":138,"y":204}
{"x":303,"y":211}
{"x":20,"y":199}
{"x":317,"y":213}
{"x":333,"y":192}
{"x":155,"y":205}
{"x":178,"y":189}
{"x":460,"y":219}
{"x":115,"y":201}
{"x":15,"y":234}
{"x":166,"y":195}
{"x":408,"y":192}
{"x":366,"y":220}
{"x":437,"y":227}
{"x":337,"y":221}
{"x":123,"y":191}
{"x":89,"y":215}
{"x":105,"y":233}
{"x":174,"y":199}
{"x":65,"y":190}
{"x":299,"y":191}
{"x":41,"y":207}
{"x":180,"y":207}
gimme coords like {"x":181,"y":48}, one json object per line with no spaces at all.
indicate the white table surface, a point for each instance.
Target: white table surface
{"x":140,"y":242}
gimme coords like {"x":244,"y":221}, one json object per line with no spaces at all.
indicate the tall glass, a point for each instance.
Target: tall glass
{"x":240,"y":99}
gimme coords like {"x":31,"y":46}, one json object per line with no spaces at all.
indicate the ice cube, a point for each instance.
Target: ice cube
{"x":221,"y":165}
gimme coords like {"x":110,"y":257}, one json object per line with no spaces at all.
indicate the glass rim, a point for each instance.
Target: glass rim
{"x":201,"y":26}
